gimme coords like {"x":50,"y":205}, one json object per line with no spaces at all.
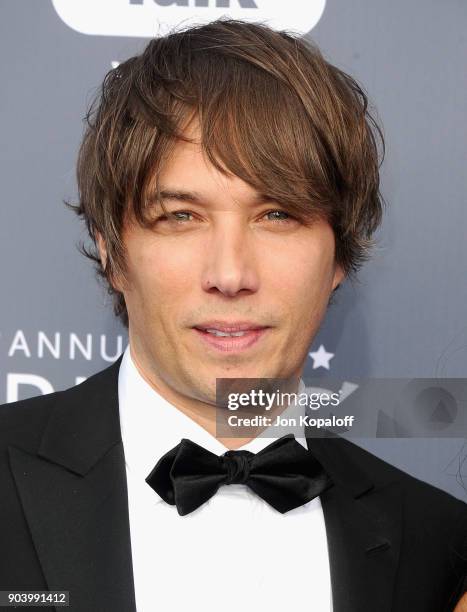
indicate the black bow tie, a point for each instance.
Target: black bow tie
{"x":284,"y":474}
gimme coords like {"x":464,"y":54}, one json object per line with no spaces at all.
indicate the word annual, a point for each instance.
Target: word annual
{"x":65,"y":346}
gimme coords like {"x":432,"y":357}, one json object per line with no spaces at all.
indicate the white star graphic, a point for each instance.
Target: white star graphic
{"x":321,"y":358}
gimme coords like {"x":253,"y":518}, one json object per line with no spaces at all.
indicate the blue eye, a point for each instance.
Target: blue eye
{"x":178,"y":215}
{"x":279,"y":215}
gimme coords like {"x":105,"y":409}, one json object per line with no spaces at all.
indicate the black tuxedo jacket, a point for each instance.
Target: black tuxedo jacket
{"x":396,"y":544}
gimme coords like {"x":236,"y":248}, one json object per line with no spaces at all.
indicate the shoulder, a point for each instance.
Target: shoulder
{"x":430,"y":514}
{"x":416,"y":491}
{"x":23,"y":422}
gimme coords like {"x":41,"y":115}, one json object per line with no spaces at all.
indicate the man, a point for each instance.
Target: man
{"x":229,"y":178}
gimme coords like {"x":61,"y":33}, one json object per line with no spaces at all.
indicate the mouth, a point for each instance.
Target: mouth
{"x":230,"y":337}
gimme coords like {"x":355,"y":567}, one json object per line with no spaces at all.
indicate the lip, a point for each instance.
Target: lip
{"x":253,"y":333}
{"x":229,"y":326}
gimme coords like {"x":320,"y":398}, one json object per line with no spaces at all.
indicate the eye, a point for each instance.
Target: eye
{"x":280,"y":216}
{"x":177,"y":216}
{"x":180,"y":215}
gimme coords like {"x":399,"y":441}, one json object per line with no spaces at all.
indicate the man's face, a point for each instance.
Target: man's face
{"x":229,"y":264}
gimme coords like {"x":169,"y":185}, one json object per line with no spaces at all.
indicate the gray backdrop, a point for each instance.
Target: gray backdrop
{"x":407,"y":316}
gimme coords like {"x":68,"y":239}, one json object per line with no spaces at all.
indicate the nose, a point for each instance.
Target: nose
{"x":230,"y":263}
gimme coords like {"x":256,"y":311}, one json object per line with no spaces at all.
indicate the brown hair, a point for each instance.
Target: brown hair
{"x":271,"y":110}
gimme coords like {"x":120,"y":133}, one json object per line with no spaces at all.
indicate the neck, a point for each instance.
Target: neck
{"x":202,"y":413}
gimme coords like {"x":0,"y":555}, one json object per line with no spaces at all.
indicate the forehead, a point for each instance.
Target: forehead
{"x":189,"y":176}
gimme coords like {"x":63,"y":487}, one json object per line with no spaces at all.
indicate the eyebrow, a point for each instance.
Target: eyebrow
{"x":194,"y":197}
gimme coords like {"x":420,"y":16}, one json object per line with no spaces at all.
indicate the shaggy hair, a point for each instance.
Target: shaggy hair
{"x":271,"y":110}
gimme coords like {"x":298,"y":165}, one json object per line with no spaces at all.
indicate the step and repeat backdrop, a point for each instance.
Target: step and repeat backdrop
{"x":407,"y":315}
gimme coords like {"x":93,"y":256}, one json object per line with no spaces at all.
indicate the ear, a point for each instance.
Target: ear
{"x":102,"y":249}
{"x":103,"y":256}
{"x":339,"y":276}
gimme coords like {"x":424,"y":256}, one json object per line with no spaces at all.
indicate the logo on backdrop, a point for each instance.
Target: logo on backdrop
{"x":22,"y":348}
{"x":149,"y":18}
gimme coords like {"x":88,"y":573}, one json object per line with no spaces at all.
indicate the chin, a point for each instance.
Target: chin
{"x":243,"y":372}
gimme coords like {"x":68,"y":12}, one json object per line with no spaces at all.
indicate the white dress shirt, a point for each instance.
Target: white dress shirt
{"x":233,"y":553}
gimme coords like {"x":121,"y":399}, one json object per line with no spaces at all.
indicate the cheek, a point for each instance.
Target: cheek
{"x":159,"y":277}
{"x":301,"y":279}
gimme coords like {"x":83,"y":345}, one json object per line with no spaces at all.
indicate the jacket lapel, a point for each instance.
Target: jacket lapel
{"x":363,"y":526}
{"x":74,"y":496}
